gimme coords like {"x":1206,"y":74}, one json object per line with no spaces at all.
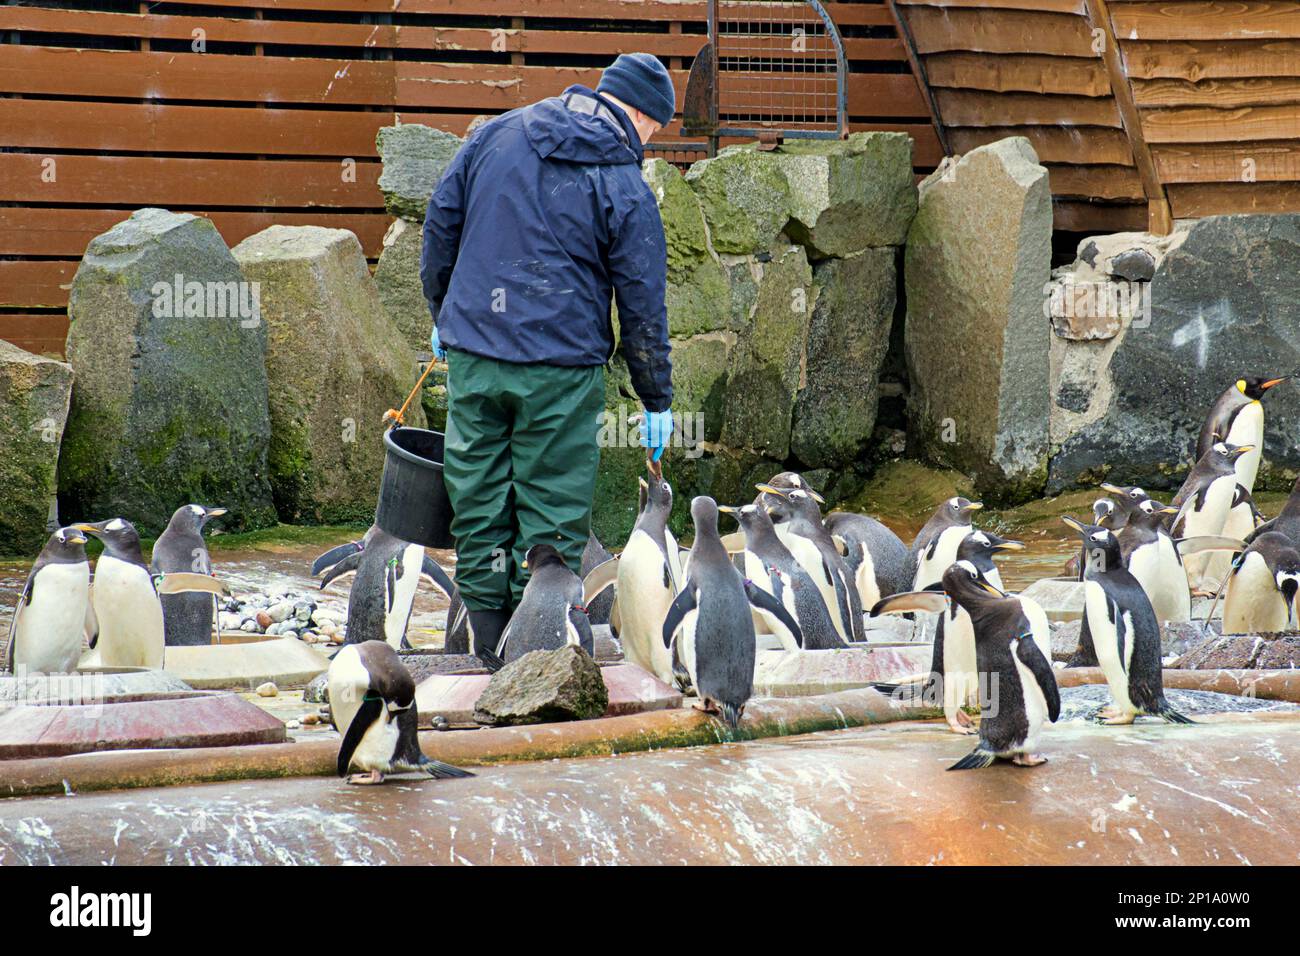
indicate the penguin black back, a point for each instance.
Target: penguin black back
{"x":187,"y":618}
{"x":550,"y":614}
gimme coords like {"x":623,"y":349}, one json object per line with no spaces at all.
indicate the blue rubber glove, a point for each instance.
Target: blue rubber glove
{"x":656,"y":430}
{"x":439,"y":352}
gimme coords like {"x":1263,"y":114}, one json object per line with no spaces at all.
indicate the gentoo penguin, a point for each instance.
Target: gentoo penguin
{"x":388,"y":572}
{"x":1243,"y":518}
{"x":935,"y":547}
{"x":1237,"y":418}
{"x":1261,"y":592}
{"x":649,"y":574}
{"x":1152,"y":556}
{"x":1126,"y":498}
{"x":1017,"y":690}
{"x":599,"y":606}
{"x":879,"y":561}
{"x":954,"y":678}
{"x":187,"y":618}
{"x":1287,"y":521}
{"x":46,"y":631}
{"x":125,"y":597}
{"x":1105,"y":512}
{"x":1124,"y":631}
{"x":824,"y":563}
{"x":771,"y":566}
{"x":1204,"y":502}
{"x":372,"y":704}
{"x":709,"y":626}
{"x":551,"y":613}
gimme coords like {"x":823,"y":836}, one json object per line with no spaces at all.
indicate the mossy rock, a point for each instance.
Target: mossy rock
{"x":414,"y":158}
{"x":397,"y":277}
{"x":34,"y":396}
{"x":745,"y":197}
{"x":169,"y":406}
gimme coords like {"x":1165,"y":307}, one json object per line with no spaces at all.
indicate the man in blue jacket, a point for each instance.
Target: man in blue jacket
{"x":542,"y":213}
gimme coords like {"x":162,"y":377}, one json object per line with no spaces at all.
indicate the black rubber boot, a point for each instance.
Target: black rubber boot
{"x":485,"y":630}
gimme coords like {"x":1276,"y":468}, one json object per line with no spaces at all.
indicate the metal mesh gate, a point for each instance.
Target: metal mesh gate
{"x":771,"y":69}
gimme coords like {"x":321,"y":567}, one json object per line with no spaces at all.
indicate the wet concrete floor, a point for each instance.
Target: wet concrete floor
{"x":1226,"y":791}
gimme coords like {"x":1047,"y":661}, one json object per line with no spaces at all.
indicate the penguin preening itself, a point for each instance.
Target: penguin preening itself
{"x":771,"y":566}
{"x":935,"y":547}
{"x":551,"y":613}
{"x":187,"y":618}
{"x":372,"y":704}
{"x":388,"y":572}
{"x":1237,"y":417}
{"x":1017,"y":689}
{"x":125,"y":597}
{"x":816,"y":550}
{"x":1124,"y":631}
{"x":1126,"y":498}
{"x":1261,"y":591}
{"x":46,"y":631}
{"x":879,"y":561}
{"x":649,"y":574}
{"x":1204,"y":502}
{"x":709,"y":625}
{"x":953,"y":680}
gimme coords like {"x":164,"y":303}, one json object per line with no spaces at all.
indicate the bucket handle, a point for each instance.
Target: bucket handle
{"x":393,"y":417}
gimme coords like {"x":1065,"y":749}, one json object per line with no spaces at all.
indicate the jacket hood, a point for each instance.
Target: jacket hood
{"x":580,"y":126}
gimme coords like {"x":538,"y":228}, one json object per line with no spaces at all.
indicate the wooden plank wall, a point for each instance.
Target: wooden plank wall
{"x":110,"y":105}
{"x":1201,"y":107}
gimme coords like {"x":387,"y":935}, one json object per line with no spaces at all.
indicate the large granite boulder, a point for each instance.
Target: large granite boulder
{"x":397,"y":277}
{"x":697,"y":293}
{"x":414,"y":158}
{"x":977,"y":261}
{"x":542,"y":687}
{"x":1222,"y":303}
{"x":34,"y":396}
{"x":767,"y":363}
{"x":849,"y":195}
{"x":848,"y":336}
{"x":335,"y":362}
{"x":746,"y":199}
{"x":170,"y":398}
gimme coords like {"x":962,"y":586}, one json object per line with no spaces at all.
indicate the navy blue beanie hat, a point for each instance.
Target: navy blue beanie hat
{"x":640,"y":80}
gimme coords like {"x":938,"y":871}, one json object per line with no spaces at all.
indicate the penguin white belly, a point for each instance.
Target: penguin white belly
{"x":960,"y":672}
{"x":676,"y":570}
{"x":129,"y":613}
{"x":994,"y":577}
{"x":765,"y":622}
{"x":1248,"y":429}
{"x":398,"y":615}
{"x":1208,"y":521}
{"x":1158,"y":569}
{"x":1241,"y":522}
{"x":1105,"y":641}
{"x":1038,"y":626}
{"x":348,"y":682}
{"x":1253,"y":604}
{"x":48,"y":637}
{"x":377,"y":746}
{"x":929,"y":570}
{"x":865,"y":579}
{"x":810,"y":559}
{"x":644,"y":603}
{"x":1034,"y":701}
{"x":686,"y":645}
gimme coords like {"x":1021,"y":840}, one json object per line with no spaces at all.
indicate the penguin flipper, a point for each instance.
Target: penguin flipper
{"x":433,"y":570}
{"x":1033,"y":659}
{"x":677,"y":611}
{"x":599,"y":578}
{"x":734,"y":542}
{"x":176,"y":582}
{"x":765,"y":602}
{"x":1208,"y":542}
{"x":333,"y":556}
{"x":7,"y":665}
{"x":977,"y":759}
{"x":931,"y":602}
{"x":615,"y":617}
{"x":348,"y":565}
{"x":371,"y":708}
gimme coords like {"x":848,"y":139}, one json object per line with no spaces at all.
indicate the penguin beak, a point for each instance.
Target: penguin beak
{"x":76,"y":539}
{"x":1265,"y":386}
{"x":1074,"y":524}
{"x":94,"y":529}
{"x":1113,"y":489}
{"x":727,"y":509}
{"x":990,"y":588}
{"x":769,"y":490}
{"x":645,"y":486}
{"x":1168,"y":510}
{"x":816,"y":497}
{"x":1009,"y":546}
{"x":1241,"y":450}
{"x":213,"y":512}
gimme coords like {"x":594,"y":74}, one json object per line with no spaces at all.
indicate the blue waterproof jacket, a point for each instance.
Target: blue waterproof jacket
{"x":540,"y":215}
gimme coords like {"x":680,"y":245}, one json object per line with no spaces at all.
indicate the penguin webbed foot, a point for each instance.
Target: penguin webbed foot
{"x":1028,"y":760}
{"x":370,"y":779}
{"x":1118,"y":720}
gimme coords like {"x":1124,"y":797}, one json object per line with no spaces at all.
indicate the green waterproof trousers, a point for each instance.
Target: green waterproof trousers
{"x":520,"y":468}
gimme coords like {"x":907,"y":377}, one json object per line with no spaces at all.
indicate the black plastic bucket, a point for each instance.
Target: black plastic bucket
{"x":413,"y":502}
